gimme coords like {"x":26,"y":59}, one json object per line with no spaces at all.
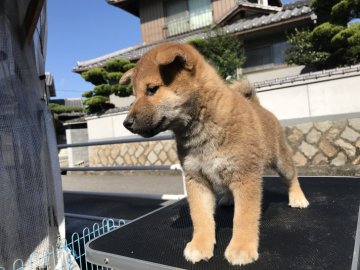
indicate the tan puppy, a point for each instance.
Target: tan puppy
{"x":224,"y":141}
{"x":246,"y":89}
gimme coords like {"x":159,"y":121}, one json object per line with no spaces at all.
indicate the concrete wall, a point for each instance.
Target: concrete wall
{"x":328,"y":147}
{"x":320,"y":114}
{"x":107,"y":126}
{"x":121,"y":102}
{"x":78,"y":156}
{"x":314,"y":97}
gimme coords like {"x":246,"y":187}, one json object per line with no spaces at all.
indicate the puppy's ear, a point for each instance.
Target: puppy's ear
{"x":174,"y":53}
{"x":126,"y":78}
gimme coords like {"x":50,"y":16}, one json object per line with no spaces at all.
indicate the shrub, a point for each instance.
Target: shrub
{"x":224,"y":51}
{"x":106,"y":83}
{"x":95,"y":76}
{"x":57,"y":108}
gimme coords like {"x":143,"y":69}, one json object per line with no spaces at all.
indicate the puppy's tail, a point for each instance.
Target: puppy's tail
{"x":246,"y":89}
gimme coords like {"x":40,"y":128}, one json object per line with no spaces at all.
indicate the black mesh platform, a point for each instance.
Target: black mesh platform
{"x":319,"y":237}
{"x":107,"y":206}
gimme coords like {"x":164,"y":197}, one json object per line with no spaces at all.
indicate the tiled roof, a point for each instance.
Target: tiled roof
{"x":241,"y":4}
{"x":247,"y":24}
{"x":243,"y":25}
{"x":305,"y":78}
{"x":79,"y":120}
{"x":70,"y":102}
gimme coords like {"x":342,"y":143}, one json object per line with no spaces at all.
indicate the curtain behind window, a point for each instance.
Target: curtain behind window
{"x":200,"y":13}
{"x":176,"y":17}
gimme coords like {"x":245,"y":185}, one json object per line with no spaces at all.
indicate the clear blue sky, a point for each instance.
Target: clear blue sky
{"x":81,"y":30}
{"x":84,"y":29}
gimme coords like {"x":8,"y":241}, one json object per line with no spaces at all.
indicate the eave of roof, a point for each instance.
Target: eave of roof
{"x":50,"y":84}
{"x":242,"y":5}
{"x":240,"y":27}
{"x":308,"y":77}
{"x":271,"y":20}
{"x":131,"y":6}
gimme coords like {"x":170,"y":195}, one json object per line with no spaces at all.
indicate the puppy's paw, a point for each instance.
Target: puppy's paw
{"x":298,"y":200}
{"x":197,"y":251}
{"x":241,"y":255}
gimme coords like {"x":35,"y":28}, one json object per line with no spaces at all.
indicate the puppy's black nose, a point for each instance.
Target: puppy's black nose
{"x":128,"y":122}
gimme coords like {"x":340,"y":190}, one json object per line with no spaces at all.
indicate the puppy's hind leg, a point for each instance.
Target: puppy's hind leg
{"x":202,"y":207}
{"x":285,"y":167}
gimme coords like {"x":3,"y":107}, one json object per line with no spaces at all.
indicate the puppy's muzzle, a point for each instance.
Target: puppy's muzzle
{"x":129,"y":122}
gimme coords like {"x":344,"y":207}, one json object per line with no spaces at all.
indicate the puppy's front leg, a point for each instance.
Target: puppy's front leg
{"x":202,"y":206}
{"x":243,"y":247}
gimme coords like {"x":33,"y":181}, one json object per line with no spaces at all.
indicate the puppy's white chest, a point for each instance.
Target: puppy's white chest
{"x":211,"y":167}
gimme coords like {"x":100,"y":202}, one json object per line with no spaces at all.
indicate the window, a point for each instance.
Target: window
{"x":176,"y":17}
{"x":266,"y":55}
{"x":186,"y":15}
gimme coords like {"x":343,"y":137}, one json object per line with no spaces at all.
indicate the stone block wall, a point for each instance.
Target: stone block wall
{"x":144,"y":153}
{"x":318,"y":148}
{"x":325,"y":143}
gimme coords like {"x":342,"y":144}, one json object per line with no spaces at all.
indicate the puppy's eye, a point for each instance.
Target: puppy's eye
{"x":248,"y":95}
{"x":151,"y":90}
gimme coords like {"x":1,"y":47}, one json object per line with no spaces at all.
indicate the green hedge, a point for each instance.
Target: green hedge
{"x":56,"y":108}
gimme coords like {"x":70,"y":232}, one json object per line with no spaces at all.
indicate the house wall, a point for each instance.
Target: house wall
{"x":221,"y":7}
{"x":152,"y":17}
{"x":152,"y":20}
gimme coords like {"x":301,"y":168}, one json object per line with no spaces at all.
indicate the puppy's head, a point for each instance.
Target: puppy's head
{"x":163,"y":83}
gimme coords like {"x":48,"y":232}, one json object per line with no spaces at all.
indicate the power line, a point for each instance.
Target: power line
{"x":68,"y":90}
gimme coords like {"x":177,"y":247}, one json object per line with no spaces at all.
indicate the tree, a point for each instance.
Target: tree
{"x":222,"y":50}
{"x":57,"y":108}
{"x":106,"y":81}
{"x":333,"y":42}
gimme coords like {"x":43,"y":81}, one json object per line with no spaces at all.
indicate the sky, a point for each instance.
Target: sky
{"x":80,"y":30}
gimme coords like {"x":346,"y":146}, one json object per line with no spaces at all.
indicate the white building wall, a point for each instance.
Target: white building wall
{"x":107,"y":126}
{"x":69,"y":152}
{"x":121,"y":102}
{"x":319,"y":97}
{"x":335,"y":96}
{"x":323,"y":96}
{"x":287,"y":103}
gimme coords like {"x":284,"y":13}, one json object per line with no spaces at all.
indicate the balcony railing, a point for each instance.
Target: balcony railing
{"x":189,"y":23}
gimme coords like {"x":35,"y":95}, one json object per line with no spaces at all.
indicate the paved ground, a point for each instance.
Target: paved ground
{"x":105,"y":205}
{"x":152,"y":184}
